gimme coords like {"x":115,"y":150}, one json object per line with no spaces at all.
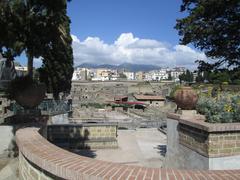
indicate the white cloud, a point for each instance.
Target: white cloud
{"x":128,"y":48}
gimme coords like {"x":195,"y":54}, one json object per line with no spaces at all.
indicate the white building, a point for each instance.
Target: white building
{"x":177,"y":71}
{"x":82,"y":74}
{"x":103,"y":75}
{"x":148,"y":76}
{"x":21,"y":70}
{"x":129,"y":75}
{"x":158,"y":75}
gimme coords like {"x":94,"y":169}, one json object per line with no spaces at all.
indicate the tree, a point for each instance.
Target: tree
{"x":24,"y":28}
{"x":123,"y":76}
{"x":169,"y":76}
{"x":214,"y":27}
{"x":219,"y":77}
{"x":56,"y":71}
{"x":199,"y":78}
{"x":11,"y":21}
{"x":40,"y":28}
{"x":186,"y":76}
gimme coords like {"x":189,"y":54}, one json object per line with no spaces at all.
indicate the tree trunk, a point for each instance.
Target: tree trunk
{"x":30,"y":65}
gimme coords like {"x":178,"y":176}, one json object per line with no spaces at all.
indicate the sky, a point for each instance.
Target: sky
{"x":132,"y":31}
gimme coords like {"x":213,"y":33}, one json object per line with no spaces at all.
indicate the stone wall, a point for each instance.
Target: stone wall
{"x":210,"y":144}
{"x":224,"y":144}
{"x":40,"y":160}
{"x":101,"y":92}
{"x":178,"y":155}
{"x":193,"y":138}
{"x":27,"y":171}
{"x":193,"y":143}
{"x":7,"y":141}
{"x":86,"y":135}
{"x":4,"y":108}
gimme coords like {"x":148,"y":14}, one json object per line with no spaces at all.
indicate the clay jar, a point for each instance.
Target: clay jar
{"x":186,"y":98}
{"x":31,"y":97}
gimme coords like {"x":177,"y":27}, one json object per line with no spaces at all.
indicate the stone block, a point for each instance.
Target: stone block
{"x":230,"y":137}
{"x":236,"y":150}
{"x":225,"y":151}
{"x":213,"y":151}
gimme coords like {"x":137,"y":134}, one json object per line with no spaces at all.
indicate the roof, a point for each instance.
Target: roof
{"x":127,"y":102}
{"x":120,"y":97}
{"x":149,"y":97}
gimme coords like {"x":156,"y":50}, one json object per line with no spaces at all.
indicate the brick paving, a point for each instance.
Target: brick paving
{"x":67,"y":165}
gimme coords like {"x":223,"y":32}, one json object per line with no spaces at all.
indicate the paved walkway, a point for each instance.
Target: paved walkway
{"x":142,"y":147}
{"x":10,"y":171}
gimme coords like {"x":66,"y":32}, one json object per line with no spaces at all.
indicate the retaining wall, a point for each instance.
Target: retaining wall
{"x":41,"y":160}
{"x":193,"y":143}
{"x":84,"y":135}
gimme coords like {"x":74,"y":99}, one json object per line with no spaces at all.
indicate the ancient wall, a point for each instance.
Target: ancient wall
{"x":86,"y":135}
{"x":101,"y":92}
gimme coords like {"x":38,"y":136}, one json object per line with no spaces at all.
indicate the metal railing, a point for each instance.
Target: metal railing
{"x":53,"y":107}
{"x":47,"y":107}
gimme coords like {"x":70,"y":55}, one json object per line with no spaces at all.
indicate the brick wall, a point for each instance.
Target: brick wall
{"x":41,"y":160}
{"x":209,"y":141}
{"x":224,"y":144}
{"x":29,"y":171}
{"x":88,"y":136}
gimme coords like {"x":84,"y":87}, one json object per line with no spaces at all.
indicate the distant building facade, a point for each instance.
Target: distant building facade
{"x":152,"y":100}
{"x":176,"y":72}
{"x":21,"y":70}
{"x":140,"y":76}
{"x":129,"y":75}
{"x":81,"y":74}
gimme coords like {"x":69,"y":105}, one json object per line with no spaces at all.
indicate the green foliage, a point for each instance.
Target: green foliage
{"x":41,"y":29}
{"x":236,"y":82}
{"x":169,"y":76}
{"x":123,"y":76}
{"x":212,"y":26}
{"x":226,"y":109}
{"x":174,"y":89}
{"x":199,"y":78}
{"x":220,"y":76}
{"x":95,"y":105}
{"x":186,"y":77}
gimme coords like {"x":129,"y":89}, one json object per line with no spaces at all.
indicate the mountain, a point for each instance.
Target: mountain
{"x":126,"y":66}
{"x":138,"y":67}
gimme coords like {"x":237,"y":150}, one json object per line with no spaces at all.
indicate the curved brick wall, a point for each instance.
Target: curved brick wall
{"x":42,"y":160}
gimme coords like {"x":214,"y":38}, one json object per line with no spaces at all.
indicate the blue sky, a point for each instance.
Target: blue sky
{"x":107,"y":19}
{"x":132,"y":31}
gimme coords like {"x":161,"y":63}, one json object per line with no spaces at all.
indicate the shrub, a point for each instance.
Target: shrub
{"x":95,"y":105}
{"x":226,"y":109}
{"x":236,"y":82}
{"x":174,"y":89}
